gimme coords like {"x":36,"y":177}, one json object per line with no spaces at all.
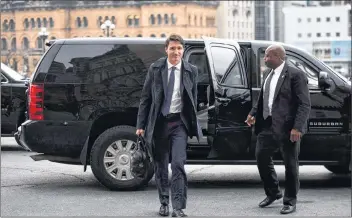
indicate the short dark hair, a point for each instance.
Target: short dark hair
{"x":175,"y":38}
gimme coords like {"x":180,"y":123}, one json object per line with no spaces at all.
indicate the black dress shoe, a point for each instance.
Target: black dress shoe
{"x":178,"y":213}
{"x":286,"y":209}
{"x":164,"y":210}
{"x":269,"y":200}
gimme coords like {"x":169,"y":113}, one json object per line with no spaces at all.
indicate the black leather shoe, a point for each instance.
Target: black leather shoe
{"x":178,"y":213}
{"x":164,"y":210}
{"x":286,"y":209}
{"x":269,"y":200}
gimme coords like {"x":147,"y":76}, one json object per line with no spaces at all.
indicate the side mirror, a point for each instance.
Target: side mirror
{"x":324,"y":80}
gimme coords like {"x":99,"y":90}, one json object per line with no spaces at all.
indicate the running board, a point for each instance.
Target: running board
{"x":254,"y":162}
{"x":58,"y":159}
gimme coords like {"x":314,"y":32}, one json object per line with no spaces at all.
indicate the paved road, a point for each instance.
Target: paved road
{"x":43,"y":188}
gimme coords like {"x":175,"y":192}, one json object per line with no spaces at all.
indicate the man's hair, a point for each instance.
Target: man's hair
{"x":175,"y":38}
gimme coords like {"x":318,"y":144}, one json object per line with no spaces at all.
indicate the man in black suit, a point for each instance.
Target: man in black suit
{"x":166,"y":117}
{"x":280,"y":117}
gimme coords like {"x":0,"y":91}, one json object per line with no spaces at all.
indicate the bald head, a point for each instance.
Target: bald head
{"x":274,"y":56}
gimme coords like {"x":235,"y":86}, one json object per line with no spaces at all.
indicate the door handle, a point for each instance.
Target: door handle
{"x":224,"y":100}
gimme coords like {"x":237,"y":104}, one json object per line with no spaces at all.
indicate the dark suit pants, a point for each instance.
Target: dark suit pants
{"x":171,"y":135}
{"x":265,"y":148}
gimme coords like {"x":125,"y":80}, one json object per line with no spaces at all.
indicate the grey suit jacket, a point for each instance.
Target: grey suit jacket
{"x":291,"y":104}
{"x":154,"y":92}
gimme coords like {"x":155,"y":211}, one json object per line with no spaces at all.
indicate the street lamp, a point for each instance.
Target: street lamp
{"x":43,"y":34}
{"x":107,"y":25}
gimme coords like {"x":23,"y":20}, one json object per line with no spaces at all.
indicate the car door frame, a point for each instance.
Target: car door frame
{"x":218,"y":131}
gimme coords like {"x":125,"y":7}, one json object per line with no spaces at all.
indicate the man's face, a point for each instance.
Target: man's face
{"x":174,"y":52}
{"x":271,"y":59}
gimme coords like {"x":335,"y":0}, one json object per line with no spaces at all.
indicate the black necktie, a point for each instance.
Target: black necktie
{"x":266,"y":96}
{"x":170,"y":89}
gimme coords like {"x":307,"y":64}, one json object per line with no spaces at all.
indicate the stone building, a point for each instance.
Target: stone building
{"x":21,"y":21}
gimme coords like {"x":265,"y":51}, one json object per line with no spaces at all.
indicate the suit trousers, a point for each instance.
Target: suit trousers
{"x":171,"y":135}
{"x":266,"y":146}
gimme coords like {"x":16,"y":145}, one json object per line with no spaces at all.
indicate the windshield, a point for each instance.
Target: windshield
{"x":11,"y":72}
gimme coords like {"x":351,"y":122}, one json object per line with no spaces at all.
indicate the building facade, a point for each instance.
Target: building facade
{"x":21,"y":46}
{"x":324,"y":31}
{"x":235,"y":20}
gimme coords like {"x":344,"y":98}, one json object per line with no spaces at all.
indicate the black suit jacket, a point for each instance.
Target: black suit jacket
{"x":154,"y":92}
{"x":291,"y":104}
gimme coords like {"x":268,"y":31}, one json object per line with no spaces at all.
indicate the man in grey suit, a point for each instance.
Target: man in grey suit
{"x":280,"y":117}
{"x":166,"y":117}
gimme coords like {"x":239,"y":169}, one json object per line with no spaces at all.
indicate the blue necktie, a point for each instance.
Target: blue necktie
{"x":170,"y":88}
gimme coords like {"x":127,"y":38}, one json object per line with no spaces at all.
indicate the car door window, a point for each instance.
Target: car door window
{"x":199,"y":60}
{"x":312,"y":75}
{"x":226,"y":66}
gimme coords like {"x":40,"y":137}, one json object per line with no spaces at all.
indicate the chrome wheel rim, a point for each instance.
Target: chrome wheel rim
{"x":117,"y":159}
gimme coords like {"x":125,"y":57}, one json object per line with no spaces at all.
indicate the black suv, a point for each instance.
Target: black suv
{"x":13,"y":100}
{"x":85,"y":93}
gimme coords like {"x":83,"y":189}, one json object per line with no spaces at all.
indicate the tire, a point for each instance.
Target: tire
{"x":117,"y":138}
{"x":339,"y":169}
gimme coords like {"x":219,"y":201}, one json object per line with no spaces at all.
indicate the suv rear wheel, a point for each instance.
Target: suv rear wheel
{"x":111,"y":157}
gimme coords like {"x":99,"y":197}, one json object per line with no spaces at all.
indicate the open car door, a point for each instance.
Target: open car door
{"x":230,"y":100}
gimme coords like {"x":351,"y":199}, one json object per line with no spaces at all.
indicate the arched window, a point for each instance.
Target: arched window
{"x":78,"y":22}
{"x":39,"y":23}
{"x":45,"y":22}
{"x":173,"y":19}
{"x":160,"y":20}
{"x":113,"y":20}
{"x":166,"y":18}
{"x":152,"y":19}
{"x":12,"y":25}
{"x":152,"y":35}
{"x":5,"y":25}
{"x":106,"y":18}
{"x":3,"y":44}
{"x":189,"y":19}
{"x":51,"y":22}
{"x":26,"y":23}
{"x":25,"y":43}
{"x":85,"y":21}
{"x":201,"y":21}
{"x":195,"y":20}
{"x":129,"y":20}
{"x":32,"y":23}
{"x":163,"y":35}
{"x":136,"y":20}
{"x":39,"y":43}
{"x":13,"y":44}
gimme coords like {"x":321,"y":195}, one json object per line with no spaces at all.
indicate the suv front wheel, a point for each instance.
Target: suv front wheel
{"x":110,"y":159}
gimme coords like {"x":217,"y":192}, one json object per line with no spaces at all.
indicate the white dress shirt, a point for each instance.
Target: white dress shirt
{"x":274,"y":79}
{"x":176,"y":102}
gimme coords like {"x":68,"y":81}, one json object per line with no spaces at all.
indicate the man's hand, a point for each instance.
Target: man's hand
{"x":250,"y":120}
{"x":140,"y":132}
{"x":295,"y":135}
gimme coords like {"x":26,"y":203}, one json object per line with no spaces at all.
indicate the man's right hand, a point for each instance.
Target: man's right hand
{"x":140,"y":132}
{"x":250,"y":120}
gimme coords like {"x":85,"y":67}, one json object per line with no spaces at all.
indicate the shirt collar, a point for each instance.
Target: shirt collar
{"x":278,"y":70}
{"x":178,"y":66}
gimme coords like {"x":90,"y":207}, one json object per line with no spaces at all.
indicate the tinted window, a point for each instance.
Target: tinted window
{"x":226,"y":66}
{"x":103,"y":63}
{"x":311,"y":74}
{"x":199,"y":60}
